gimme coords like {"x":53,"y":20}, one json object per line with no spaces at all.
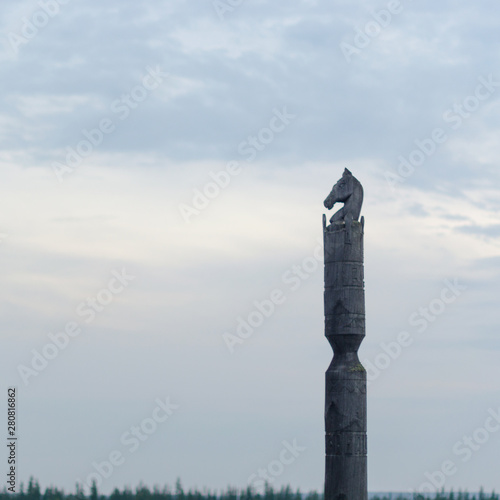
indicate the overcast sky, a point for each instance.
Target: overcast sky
{"x":163,"y":169}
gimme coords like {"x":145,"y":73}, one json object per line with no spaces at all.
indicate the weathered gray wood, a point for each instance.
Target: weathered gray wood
{"x":345,"y":399}
{"x":347,"y":190}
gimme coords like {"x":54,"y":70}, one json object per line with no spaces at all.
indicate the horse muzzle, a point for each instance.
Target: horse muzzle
{"x":328,"y":204}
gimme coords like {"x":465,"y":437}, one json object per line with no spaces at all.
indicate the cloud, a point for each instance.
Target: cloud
{"x":226,"y":77}
{"x":120,"y":207}
{"x":492,"y":231}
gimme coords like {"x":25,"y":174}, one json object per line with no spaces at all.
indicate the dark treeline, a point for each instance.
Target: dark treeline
{"x":142,"y":492}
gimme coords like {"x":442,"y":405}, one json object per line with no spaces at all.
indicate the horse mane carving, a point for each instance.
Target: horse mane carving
{"x":347,"y":190}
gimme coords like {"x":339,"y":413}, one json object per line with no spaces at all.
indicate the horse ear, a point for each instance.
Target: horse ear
{"x":347,"y":172}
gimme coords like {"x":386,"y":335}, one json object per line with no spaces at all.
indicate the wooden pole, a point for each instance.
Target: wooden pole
{"x":345,"y":402}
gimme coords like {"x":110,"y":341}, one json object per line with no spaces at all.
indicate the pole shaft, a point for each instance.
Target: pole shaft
{"x":345,"y":398}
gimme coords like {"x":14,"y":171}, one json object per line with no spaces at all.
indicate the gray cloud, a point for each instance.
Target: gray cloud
{"x":394,"y":92}
{"x":194,"y":281}
{"x":492,"y":231}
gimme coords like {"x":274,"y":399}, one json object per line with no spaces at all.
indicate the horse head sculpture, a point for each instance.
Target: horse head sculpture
{"x":347,"y":190}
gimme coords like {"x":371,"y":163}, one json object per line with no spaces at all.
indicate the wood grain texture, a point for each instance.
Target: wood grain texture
{"x":345,"y":381}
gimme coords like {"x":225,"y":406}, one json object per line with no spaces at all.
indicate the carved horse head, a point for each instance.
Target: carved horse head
{"x":347,"y":190}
